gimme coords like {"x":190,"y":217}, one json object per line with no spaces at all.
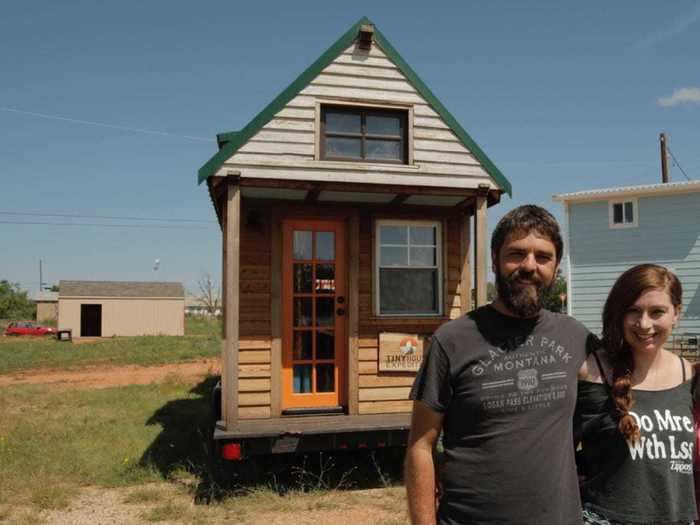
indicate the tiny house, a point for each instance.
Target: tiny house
{"x":610,"y":230}
{"x":353,"y":211}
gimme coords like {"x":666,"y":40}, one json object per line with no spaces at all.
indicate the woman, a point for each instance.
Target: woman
{"x":634,"y":412}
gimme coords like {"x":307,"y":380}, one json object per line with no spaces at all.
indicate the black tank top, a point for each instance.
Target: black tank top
{"x":647,"y":481}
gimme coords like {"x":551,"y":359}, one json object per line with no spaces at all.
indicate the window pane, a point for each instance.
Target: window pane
{"x":394,"y":256}
{"x":302,"y":345}
{"x":302,"y":278}
{"x":325,"y":345}
{"x":342,"y":122}
{"x":343,"y":147}
{"x":302,"y":379}
{"x":617,"y":213}
{"x":325,"y":378}
{"x":325,"y":246}
{"x":629,"y":213}
{"x":324,"y":311}
{"x":383,"y":149}
{"x":302,"y":311}
{"x":425,"y":235}
{"x":422,"y":256}
{"x":383,"y":125}
{"x":393,"y":234}
{"x":325,"y":278}
{"x":302,"y":245}
{"x":404,"y":291}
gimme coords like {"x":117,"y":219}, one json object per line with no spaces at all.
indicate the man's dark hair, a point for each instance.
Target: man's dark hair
{"x":525,"y":219}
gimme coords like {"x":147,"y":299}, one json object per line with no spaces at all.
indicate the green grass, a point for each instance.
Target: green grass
{"x":25,"y":353}
{"x":200,"y":325}
{"x":168,"y":511}
{"x":52,"y":442}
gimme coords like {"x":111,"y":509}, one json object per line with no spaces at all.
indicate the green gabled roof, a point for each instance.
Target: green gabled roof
{"x":223,"y":138}
{"x":230,"y":142}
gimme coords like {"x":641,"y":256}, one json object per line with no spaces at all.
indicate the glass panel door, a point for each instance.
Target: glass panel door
{"x":313,"y":301}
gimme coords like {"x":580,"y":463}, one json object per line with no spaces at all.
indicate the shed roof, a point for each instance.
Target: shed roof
{"x":230,"y":142}
{"x":46,"y":296}
{"x":133,"y":289}
{"x":629,"y":191}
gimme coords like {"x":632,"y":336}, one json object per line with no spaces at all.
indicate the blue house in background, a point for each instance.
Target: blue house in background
{"x":610,"y":230}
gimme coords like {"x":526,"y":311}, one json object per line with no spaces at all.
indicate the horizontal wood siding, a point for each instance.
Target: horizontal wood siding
{"x":378,"y":392}
{"x":668,"y":234}
{"x":289,"y":138}
{"x":254,"y":358}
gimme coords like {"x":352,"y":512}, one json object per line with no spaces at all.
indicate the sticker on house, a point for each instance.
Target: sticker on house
{"x":400,"y":352}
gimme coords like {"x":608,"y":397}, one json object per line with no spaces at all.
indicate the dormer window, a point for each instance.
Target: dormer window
{"x":364,"y":134}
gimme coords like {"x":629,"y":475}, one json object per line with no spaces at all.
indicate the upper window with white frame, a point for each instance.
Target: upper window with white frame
{"x":623,"y":213}
{"x":408,"y":268}
{"x":350,"y":133}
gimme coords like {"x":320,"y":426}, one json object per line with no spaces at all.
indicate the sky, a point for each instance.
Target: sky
{"x":107,"y":110}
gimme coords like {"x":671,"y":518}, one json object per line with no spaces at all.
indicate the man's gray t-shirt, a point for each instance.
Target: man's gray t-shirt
{"x":507,"y":389}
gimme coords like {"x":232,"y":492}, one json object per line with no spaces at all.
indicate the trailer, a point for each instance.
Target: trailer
{"x":353,"y":216}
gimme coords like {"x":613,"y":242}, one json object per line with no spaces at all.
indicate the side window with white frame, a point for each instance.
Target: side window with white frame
{"x":623,"y":213}
{"x":408,"y":266}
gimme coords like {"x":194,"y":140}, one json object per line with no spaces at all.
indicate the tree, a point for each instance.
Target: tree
{"x":490,"y":291}
{"x":15,"y":302}
{"x":53,"y":288}
{"x":553,"y":299}
{"x":209,"y":294}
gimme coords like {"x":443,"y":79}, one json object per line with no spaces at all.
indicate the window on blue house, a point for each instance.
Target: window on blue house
{"x":623,"y":213}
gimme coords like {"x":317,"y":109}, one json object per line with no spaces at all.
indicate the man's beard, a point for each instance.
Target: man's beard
{"x":523,"y":301}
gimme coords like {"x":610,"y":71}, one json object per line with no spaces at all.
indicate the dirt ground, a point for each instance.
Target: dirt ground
{"x":110,"y":376}
{"x":97,"y":506}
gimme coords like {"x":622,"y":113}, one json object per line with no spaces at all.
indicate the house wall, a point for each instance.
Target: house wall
{"x":378,"y":392}
{"x":286,"y":148}
{"x":127,"y":316}
{"x":46,"y":311}
{"x":668,"y":234}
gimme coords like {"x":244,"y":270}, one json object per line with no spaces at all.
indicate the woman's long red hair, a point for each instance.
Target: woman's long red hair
{"x":626,"y":290}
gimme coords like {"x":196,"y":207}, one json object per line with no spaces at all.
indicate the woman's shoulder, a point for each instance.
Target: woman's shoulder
{"x":596,"y":368}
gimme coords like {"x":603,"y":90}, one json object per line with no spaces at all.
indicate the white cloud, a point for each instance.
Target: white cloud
{"x":685,"y":95}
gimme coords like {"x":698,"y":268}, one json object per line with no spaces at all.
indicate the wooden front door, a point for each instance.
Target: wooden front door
{"x":313,"y":314}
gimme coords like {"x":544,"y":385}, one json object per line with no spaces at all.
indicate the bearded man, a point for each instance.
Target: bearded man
{"x":500,"y":383}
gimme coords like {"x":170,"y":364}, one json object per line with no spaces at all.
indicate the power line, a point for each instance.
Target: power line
{"x":676,"y":163}
{"x":109,"y":217}
{"x":34,"y":223}
{"x":103,"y":124}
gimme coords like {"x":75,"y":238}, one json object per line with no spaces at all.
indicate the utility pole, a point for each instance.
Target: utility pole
{"x":664,"y":158}
{"x":41,"y":277}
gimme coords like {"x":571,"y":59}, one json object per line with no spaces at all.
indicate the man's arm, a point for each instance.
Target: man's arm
{"x":420,"y":467}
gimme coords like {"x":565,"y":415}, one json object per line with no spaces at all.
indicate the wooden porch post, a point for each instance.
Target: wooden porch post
{"x":276,"y":318}
{"x":465,"y":249}
{"x":353,"y":309}
{"x":480,"y":257}
{"x":232,"y":243}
